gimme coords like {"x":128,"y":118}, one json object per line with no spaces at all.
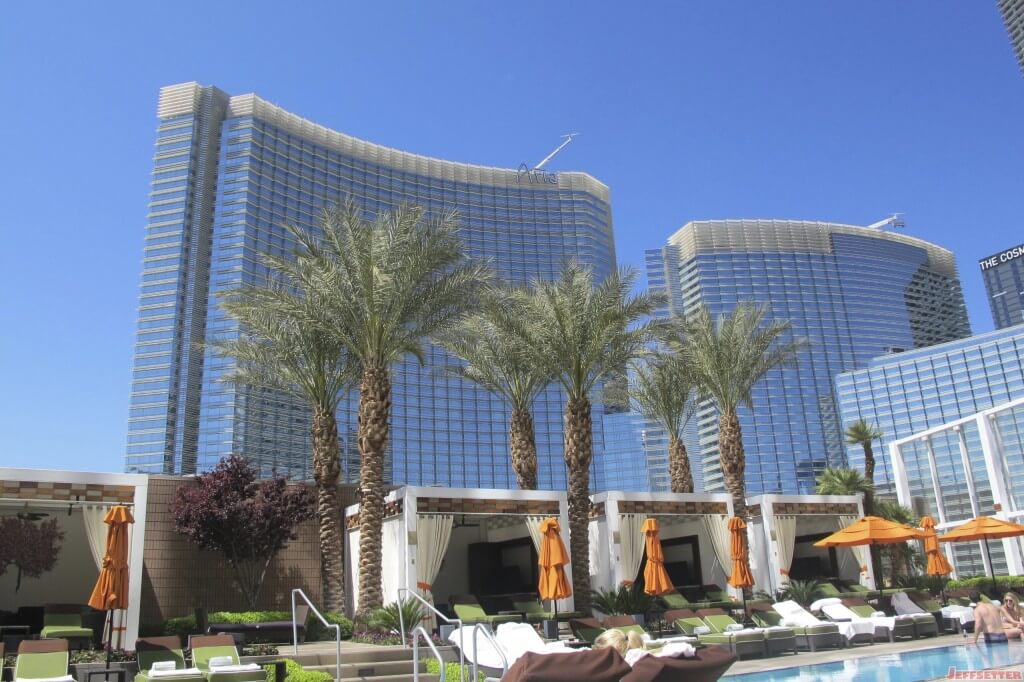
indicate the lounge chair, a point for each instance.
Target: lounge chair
{"x":623,"y":623}
{"x":675,"y":600}
{"x":776,"y":639}
{"x":741,"y":643}
{"x":925,"y":624}
{"x":467,"y":609}
{"x":793,"y":614}
{"x":857,"y":611}
{"x":812,"y":635}
{"x":598,"y":665}
{"x":586,"y":629}
{"x":707,"y":665}
{"x":161,"y":658}
{"x":533,"y":611}
{"x":64,"y":621}
{"x":217,"y":659}
{"x":717,"y":598}
{"x":42,"y":659}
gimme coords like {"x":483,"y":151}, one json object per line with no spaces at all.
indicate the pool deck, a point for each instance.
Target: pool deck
{"x":755,"y":665}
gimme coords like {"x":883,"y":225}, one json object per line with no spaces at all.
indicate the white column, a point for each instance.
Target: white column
{"x":138,"y":540}
{"x":934,"y":471}
{"x":1000,"y":493}
{"x":768,"y":516}
{"x":899,"y":473}
{"x":965,"y":460}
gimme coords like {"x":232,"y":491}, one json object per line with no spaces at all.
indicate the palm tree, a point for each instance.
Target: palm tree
{"x":727,"y":357}
{"x":283,"y":344}
{"x":664,"y":391}
{"x":843,"y":482}
{"x":863,"y":433}
{"x":580,"y":334}
{"x":395,"y":280}
{"x":490,"y":344}
{"x":902,"y":556}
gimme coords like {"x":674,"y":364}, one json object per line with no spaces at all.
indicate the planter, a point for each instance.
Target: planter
{"x":81,"y":671}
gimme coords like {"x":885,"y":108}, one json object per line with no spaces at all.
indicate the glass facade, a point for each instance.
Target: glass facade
{"x":241,"y":169}
{"x":854,"y":293}
{"x":911,"y":392}
{"x":1004,"y":283}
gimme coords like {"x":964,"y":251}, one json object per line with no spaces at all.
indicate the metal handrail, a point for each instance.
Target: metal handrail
{"x":329,"y":626}
{"x":416,"y":633}
{"x":477,"y":629}
{"x":401,"y":620}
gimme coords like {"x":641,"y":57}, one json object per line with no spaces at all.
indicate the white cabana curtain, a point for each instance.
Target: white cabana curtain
{"x":631,"y":545}
{"x":785,"y":541}
{"x":96,"y":532}
{"x":861,"y":554}
{"x":718,"y":532}
{"x":533,"y":526}
{"x":353,"y":548}
{"x":433,"y":531}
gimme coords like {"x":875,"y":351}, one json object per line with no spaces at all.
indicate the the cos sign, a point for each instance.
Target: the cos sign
{"x":1004,"y":257}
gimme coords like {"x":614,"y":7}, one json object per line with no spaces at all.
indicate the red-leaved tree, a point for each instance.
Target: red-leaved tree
{"x":247,"y":520}
{"x":30,"y":547}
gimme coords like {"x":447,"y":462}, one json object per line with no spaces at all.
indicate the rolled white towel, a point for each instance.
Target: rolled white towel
{"x":702,"y":630}
{"x":235,"y":668}
{"x":183,"y":672}
{"x":221,"y":662}
{"x":878,"y":614}
{"x":827,"y":601}
{"x":733,"y":627}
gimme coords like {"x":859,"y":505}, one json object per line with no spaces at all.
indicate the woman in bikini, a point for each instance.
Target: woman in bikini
{"x":1012,"y":615}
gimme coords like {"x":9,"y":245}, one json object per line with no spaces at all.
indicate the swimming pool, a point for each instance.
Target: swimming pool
{"x":911,"y":666}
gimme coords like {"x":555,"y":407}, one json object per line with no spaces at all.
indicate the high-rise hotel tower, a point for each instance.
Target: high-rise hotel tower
{"x":229,"y":172}
{"x":853,"y":292}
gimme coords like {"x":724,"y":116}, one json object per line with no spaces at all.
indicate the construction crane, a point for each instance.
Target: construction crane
{"x":895,"y":220}
{"x":568,"y":139}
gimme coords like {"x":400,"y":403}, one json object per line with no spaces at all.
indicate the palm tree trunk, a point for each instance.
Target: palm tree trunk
{"x":679,"y":466}
{"x":326,"y":472}
{"x":734,"y":464}
{"x":869,"y":502}
{"x":374,"y":413}
{"x":579,"y":449}
{"x":523,"y":447}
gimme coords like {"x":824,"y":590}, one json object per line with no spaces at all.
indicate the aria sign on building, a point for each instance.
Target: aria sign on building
{"x":535,"y":176}
{"x":1000,"y":258}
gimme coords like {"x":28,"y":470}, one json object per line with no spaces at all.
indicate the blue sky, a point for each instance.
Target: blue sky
{"x":687,"y":110}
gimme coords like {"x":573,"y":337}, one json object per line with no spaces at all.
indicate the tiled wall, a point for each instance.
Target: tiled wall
{"x":177,"y":577}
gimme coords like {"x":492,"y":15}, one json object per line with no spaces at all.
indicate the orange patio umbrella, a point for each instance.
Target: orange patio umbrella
{"x":111,"y":590}
{"x":553,"y":583}
{"x":984,"y":528}
{"x":871,"y":530}
{"x":740,"y":576}
{"x":937,"y":563}
{"x":656,"y":580}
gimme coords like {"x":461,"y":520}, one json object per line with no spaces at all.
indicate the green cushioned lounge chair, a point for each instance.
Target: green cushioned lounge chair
{"x":903,"y":626}
{"x":467,"y":609}
{"x":716,"y":598}
{"x":810,"y":637}
{"x":533,"y":611}
{"x":162,"y":650}
{"x":42,"y":659}
{"x":776,"y":640}
{"x":675,"y":600}
{"x":826,"y":589}
{"x":740,"y":643}
{"x":205,"y":648}
{"x":586,"y":629}
{"x":64,"y":621}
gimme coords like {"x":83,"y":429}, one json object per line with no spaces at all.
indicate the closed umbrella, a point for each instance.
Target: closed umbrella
{"x":984,"y":528}
{"x":656,"y":580}
{"x":937,"y":563}
{"x":553,"y":583}
{"x":740,"y":577}
{"x":111,"y":590}
{"x":871,"y":530}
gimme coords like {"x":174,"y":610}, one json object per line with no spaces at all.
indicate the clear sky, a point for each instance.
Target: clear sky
{"x":839,"y":111}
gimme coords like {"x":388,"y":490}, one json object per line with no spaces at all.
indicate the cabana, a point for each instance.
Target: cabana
{"x":785,"y":528}
{"x":693,"y":536}
{"x":450,"y":542}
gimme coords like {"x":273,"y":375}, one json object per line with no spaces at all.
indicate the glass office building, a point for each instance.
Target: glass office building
{"x":912,"y":392}
{"x":853,"y":292}
{"x":1013,"y":17}
{"x":1004,"y":283}
{"x":229,"y":172}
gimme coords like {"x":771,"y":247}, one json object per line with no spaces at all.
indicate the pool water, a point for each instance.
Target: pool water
{"x":911,"y":666}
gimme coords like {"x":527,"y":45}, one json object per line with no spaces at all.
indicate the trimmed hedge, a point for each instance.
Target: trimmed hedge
{"x":315,"y":631}
{"x":453,"y":672}
{"x":1013,"y":582}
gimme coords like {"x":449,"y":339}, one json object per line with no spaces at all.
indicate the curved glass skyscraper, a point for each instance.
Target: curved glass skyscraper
{"x":854,"y":293}
{"x":229,"y":173}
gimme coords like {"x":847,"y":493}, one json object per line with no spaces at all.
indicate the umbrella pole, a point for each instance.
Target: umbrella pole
{"x":110,"y":635}
{"x":991,"y":567}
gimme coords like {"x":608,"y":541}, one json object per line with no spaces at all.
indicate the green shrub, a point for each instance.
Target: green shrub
{"x":316,"y":632}
{"x":391,"y":617}
{"x":627,"y":600}
{"x":983,"y":583}
{"x":294,"y":672}
{"x":453,"y":672}
{"x":182,"y":626}
{"x":803,"y":592}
